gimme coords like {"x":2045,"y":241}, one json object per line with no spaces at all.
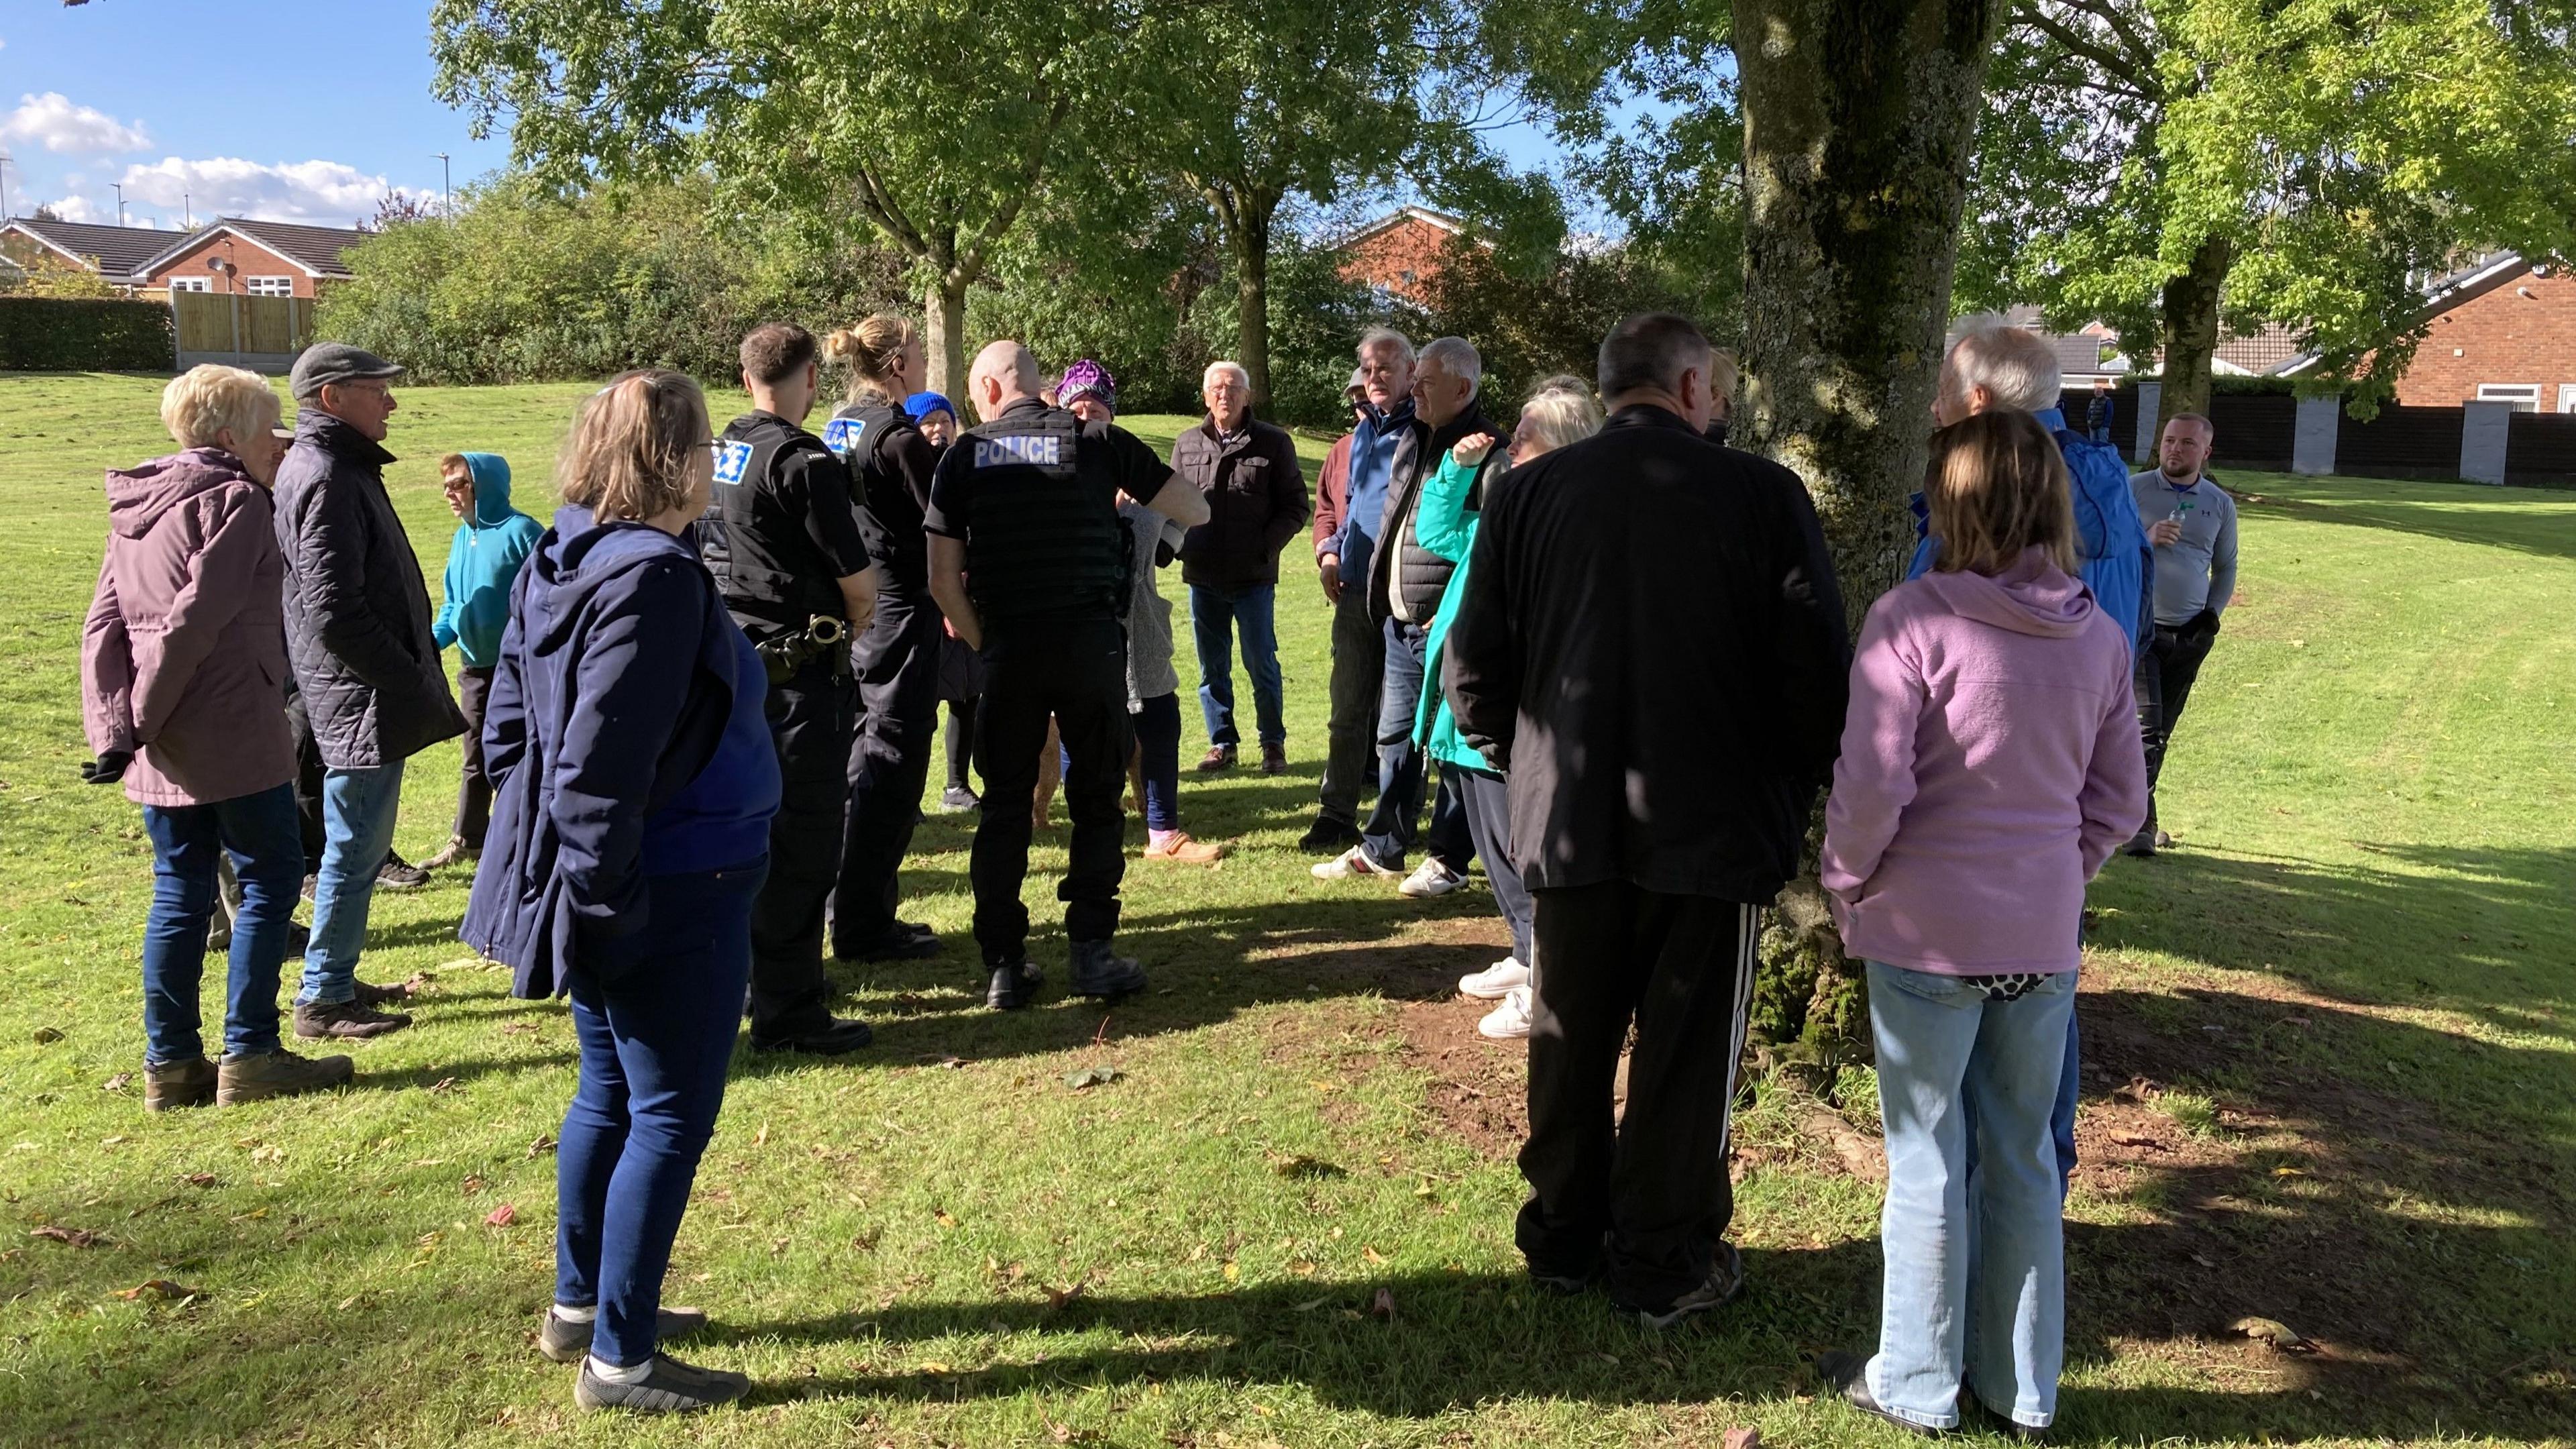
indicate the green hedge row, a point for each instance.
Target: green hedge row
{"x":60,"y":334}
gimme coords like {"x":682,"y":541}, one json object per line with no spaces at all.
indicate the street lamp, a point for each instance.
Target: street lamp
{"x":446,"y":188}
{"x":120,"y":201}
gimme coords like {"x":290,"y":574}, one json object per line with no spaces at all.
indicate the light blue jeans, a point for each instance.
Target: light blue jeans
{"x":358,"y":811}
{"x":1976,"y":1262}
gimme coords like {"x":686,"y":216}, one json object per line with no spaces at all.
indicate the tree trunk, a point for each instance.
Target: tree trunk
{"x":1252,"y":296}
{"x":1859,"y":120}
{"x":2190,"y":329}
{"x":943,"y":344}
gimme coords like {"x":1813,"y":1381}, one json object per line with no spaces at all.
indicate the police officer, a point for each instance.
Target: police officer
{"x":782,"y":540}
{"x":897,"y":657}
{"x":1029,"y":558}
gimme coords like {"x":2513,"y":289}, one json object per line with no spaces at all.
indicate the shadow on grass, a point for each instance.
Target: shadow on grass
{"x":2532,"y":528}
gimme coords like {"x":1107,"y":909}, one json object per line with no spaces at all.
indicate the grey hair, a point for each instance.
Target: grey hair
{"x":1563,"y":410}
{"x":1457,"y":357}
{"x":1225,"y":365}
{"x":210,"y":397}
{"x":2008,"y":361}
{"x":1377,"y":337}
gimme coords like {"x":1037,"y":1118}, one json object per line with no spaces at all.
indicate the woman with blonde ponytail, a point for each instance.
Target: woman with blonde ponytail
{"x":628,"y":842}
{"x":897,"y":658}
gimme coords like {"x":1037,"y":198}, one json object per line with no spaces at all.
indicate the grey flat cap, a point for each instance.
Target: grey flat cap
{"x":328,"y":362}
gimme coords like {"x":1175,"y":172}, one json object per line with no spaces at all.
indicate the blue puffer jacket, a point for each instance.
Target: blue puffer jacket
{"x":481,"y":563}
{"x":2116,"y":563}
{"x":624,"y":734}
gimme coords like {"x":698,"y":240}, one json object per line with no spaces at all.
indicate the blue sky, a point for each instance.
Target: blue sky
{"x":285,"y":109}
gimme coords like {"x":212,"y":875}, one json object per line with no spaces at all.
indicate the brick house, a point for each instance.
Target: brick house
{"x":259,"y":258}
{"x":1396,"y":254}
{"x":111,"y":251}
{"x":2503,"y":330}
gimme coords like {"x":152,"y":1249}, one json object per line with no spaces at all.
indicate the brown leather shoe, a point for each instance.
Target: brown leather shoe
{"x":1218,"y":757}
{"x":1274,"y":759}
{"x":178,"y":1084}
{"x":1179,"y":847}
{"x":277,"y":1074}
{"x":370,"y":994}
{"x":346,"y":1019}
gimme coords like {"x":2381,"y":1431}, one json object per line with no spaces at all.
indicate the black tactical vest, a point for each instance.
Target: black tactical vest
{"x":889,"y":518}
{"x":764,"y":560}
{"x":1046,"y":541}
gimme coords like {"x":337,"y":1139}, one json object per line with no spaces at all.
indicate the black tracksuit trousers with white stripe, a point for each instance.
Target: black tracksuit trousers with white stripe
{"x":1642,"y":1195}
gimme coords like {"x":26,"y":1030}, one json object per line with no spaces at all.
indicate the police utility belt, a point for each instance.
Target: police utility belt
{"x":824,"y":637}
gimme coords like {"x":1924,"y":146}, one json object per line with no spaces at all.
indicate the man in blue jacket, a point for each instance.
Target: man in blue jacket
{"x":492,"y":540}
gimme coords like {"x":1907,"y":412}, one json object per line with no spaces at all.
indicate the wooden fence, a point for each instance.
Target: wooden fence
{"x":261,"y":333}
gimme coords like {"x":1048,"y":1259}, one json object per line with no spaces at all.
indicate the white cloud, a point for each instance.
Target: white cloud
{"x":77,"y":208}
{"x":53,"y":122}
{"x":324,"y":192}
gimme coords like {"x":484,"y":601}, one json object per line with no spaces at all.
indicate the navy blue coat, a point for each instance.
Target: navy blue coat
{"x":616,"y":678}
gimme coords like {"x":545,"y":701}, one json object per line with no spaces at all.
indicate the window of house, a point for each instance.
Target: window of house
{"x":272,"y":286}
{"x":192,"y":284}
{"x":2525,"y":396}
{"x":2567,"y":397}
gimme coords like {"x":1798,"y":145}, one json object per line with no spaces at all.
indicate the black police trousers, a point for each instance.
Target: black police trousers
{"x":898,"y":730}
{"x":810,"y":717}
{"x":1075,"y":670}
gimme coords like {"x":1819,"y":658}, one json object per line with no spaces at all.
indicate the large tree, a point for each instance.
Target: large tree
{"x":2165,"y":165}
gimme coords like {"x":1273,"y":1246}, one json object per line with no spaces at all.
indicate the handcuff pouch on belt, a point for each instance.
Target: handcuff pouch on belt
{"x":783,"y":656}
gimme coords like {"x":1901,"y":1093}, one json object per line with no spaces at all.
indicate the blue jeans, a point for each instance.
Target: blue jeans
{"x":655,"y":1040}
{"x":1158,"y":751}
{"x":358,"y":811}
{"x":1402,"y":765}
{"x":1976,"y":1266}
{"x":1216,"y":615}
{"x":188,"y":843}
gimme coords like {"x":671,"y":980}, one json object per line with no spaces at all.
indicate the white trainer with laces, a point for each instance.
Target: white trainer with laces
{"x":1351,"y":864}
{"x":1429,"y":879}
{"x":1496,"y":981}
{"x":1509,"y":1021}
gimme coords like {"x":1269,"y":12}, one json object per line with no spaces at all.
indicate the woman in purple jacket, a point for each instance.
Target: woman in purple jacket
{"x":1990,"y":765}
{"x":183,"y":693}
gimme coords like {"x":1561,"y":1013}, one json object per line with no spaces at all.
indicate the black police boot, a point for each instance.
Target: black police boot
{"x":829,"y":1036}
{"x":1099,"y":971}
{"x":1328,"y":836}
{"x":907,"y":941}
{"x":1013,"y":986}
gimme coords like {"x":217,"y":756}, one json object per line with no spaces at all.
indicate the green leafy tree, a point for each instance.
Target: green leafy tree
{"x":2173,"y":165}
{"x":1527,"y":326}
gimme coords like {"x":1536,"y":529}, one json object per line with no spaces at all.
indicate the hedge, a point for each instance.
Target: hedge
{"x":59,"y":334}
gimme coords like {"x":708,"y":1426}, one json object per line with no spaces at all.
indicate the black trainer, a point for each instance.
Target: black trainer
{"x":564,"y":1340}
{"x":1847,"y":1374}
{"x":398,"y":874}
{"x":1328,"y":836}
{"x":831,"y":1037}
{"x":957,"y":799}
{"x":908,"y":941}
{"x":2142,"y":844}
{"x":672,"y":1387}
{"x":1099,"y":971}
{"x":1725,"y":1280}
{"x":1008,"y":988}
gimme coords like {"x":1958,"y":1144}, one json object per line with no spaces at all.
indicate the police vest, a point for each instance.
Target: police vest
{"x":1046,"y":540}
{"x":889,"y":518}
{"x":764,"y":560}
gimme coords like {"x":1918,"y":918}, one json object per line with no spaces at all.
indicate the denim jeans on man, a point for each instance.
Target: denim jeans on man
{"x":1975,"y":1262}
{"x":1216,"y":616}
{"x":655,"y":1039}
{"x":188,"y":843}
{"x":1401,"y":765}
{"x":358,"y":811}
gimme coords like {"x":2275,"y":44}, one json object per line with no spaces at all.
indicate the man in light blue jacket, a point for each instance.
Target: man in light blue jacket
{"x":492,"y":540}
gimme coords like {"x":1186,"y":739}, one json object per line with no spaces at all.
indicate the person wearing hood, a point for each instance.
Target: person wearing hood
{"x":492,"y":540}
{"x":1990,"y":764}
{"x":628,"y":735}
{"x":183,"y":687}
{"x":366,"y":663}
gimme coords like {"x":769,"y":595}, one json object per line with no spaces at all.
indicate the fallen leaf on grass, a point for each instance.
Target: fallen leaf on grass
{"x":2131,"y":1139}
{"x":72,"y":1237}
{"x":47,"y":1036}
{"x":934,"y":1366}
{"x":520,"y":1028}
{"x":1082,"y":1077}
{"x":502,"y":1216}
{"x":1062,"y":1297}
{"x":158,"y":1287}
{"x":199,"y":1179}
{"x":867,"y":1242}
{"x":117,"y":1083}
{"x":1383,"y":1305}
{"x":1372,"y":1254}
{"x":1311,"y":1304}
{"x":1741,"y":1439}
{"x":946,"y":1063}
{"x":417,"y":981}
{"x":443,"y":1084}
{"x":941,"y":1217}
{"x":1302,"y":1166}
{"x":543,"y":1145}
{"x":117,"y":1140}
{"x":2289,"y":1172}
{"x":472,"y":1185}
{"x":2274,"y":1332}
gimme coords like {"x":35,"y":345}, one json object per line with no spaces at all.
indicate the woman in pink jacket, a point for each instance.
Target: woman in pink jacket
{"x":1990,"y":765}
{"x":183,"y":695}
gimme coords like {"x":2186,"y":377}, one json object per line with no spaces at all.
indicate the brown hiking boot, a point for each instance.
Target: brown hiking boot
{"x":345,"y":1019}
{"x":178,"y":1084}
{"x":370,"y":994}
{"x":1218,"y":757}
{"x":277,"y":1074}
{"x":1274,"y":759}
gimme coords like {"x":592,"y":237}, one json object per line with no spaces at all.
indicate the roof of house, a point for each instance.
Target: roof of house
{"x":2270,"y":350}
{"x":1398,"y":217}
{"x":316,"y":249}
{"x":117,"y":250}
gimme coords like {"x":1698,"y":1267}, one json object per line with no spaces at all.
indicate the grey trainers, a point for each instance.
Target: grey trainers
{"x":1725,"y":1280}
{"x":277,"y":1074}
{"x":672,"y":1387}
{"x":315,"y":1021}
{"x":1099,"y":971}
{"x":398,"y":874}
{"x":565,"y":1340}
{"x":178,"y":1084}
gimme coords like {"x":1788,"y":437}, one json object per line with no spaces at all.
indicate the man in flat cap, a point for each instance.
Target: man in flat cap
{"x":358,"y":637}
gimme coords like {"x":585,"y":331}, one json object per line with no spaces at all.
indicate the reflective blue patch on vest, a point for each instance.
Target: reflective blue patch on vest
{"x":1043,"y":450}
{"x":731,"y":459}
{"x":842,"y":435}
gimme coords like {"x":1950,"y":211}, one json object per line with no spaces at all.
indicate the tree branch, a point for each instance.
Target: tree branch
{"x":970,"y":266}
{"x":2085,"y":47}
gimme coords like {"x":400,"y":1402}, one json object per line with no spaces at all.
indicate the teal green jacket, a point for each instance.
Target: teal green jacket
{"x":1446,"y":526}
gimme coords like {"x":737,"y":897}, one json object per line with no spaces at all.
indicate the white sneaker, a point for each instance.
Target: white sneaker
{"x":1509,"y":1021}
{"x":1351,"y":864}
{"x":1496,"y":981}
{"x":1429,"y":879}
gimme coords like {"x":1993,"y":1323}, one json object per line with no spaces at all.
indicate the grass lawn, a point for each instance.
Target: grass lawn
{"x":2331,"y":1082}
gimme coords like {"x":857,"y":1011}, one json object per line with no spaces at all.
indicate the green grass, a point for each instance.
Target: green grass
{"x":2359,"y":960}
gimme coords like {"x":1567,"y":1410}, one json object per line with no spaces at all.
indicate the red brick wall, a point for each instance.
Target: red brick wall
{"x":1412,"y":246}
{"x":253,"y":260}
{"x":2499,"y":337}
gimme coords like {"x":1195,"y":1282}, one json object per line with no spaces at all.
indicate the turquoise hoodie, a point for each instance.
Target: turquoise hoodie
{"x":482,"y":563}
{"x":1444,"y":525}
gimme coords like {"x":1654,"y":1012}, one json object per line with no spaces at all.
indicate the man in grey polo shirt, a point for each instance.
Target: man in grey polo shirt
{"x":2192,"y":524}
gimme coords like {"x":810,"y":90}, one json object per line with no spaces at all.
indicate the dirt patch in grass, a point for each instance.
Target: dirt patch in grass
{"x":1479,"y":1089}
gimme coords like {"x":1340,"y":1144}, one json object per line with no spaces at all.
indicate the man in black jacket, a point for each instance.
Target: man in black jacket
{"x":1405,"y":582}
{"x":365,"y":662}
{"x":1653,"y":647}
{"x":1256,"y":494}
